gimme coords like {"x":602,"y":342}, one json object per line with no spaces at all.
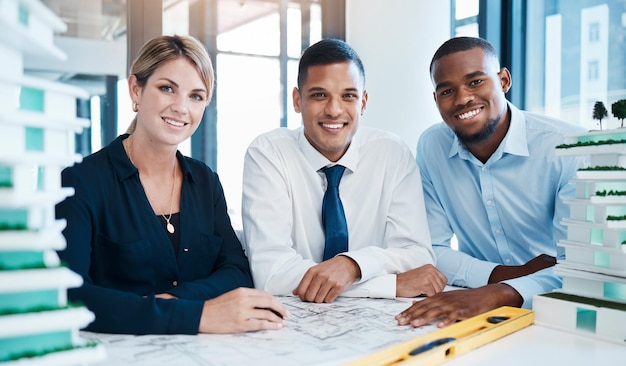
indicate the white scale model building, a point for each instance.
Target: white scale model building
{"x":593,"y":298}
{"x":38,"y":125}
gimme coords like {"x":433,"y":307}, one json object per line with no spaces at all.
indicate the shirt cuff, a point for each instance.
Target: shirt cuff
{"x":185,"y":317}
{"x":540,"y":282}
{"x":382,"y":287}
{"x":479,"y":272}
{"x":368,"y":266}
{"x":525,"y":289}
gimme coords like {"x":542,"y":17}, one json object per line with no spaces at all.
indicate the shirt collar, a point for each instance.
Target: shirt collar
{"x":121,"y":162}
{"x":318,"y":161}
{"x":124,"y":168}
{"x":515,"y":141}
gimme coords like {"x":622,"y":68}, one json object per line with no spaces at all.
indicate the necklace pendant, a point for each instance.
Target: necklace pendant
{"x":170,"y":228}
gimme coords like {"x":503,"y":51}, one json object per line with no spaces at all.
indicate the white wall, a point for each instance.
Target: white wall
{"x":396,"y":40}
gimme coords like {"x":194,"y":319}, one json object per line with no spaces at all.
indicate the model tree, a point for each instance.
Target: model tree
{"x":619,"y":110}
{"x":599,"y":112}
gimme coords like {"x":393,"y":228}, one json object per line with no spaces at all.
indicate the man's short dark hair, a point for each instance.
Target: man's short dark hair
{"x":325,"y":52}
{"x":459,"y":44}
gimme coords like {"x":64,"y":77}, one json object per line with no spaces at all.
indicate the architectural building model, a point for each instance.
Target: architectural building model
{"x":593,"y":298}
{"x":38,"y":125}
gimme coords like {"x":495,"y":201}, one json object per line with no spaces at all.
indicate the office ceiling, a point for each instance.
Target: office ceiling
{"x":93,"y":19}
{"x":106,"y":20}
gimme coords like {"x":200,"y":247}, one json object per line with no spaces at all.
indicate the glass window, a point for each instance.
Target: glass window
{"x":465,"y":9}
{"x":176,"y":17}
{"x":575,"y":56}
{"x":6,"y":176}
{"x":31,"y":99}
{"x":248,"y":87}
{"x":594,"y":32}
{"x":240,"y":23}
{"x":23,"y":15}
{"x":465,"y":17}
{"x":34,"y":139}
{"x":41,"y":178}
{"x":592,"y":72}
{"x":248,"y":104}
{"x":13,"y":219}
{"x":96,"y":133}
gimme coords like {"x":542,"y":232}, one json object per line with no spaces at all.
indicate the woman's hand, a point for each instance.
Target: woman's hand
{"x":242,"y":310}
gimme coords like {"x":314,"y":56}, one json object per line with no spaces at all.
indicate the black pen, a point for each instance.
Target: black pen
{"x":272,"y":310}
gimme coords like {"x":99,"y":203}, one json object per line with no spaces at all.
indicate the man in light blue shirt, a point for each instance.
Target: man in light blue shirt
{"x":491,"y":178}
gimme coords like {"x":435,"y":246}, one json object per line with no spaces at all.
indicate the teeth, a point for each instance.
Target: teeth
{"x":469,"y":114}
{"x":173,"y":123}
{"x":328,"y":125}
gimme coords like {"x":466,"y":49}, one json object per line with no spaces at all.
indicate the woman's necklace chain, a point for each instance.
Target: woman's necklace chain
{"x":169,"y":225}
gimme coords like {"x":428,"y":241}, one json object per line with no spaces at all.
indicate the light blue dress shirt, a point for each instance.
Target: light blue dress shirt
{"x":506,"y":211}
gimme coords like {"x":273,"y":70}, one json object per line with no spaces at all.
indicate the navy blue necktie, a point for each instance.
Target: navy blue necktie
{"x":333,"y":217}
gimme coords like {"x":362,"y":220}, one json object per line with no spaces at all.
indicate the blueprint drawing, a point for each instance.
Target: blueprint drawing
{"x":316,"y":334}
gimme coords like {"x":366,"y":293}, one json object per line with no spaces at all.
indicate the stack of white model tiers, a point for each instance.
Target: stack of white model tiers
{"x":593,"y":298}
{"x":38,"y":125}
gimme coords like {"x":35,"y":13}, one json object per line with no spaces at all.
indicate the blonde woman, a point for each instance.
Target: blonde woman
{"x":147,"y":227}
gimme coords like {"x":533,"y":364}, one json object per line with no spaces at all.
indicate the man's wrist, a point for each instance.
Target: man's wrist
{"x":355,"y":269}
{"x":502,"y":273}
{"x":508,"y":296}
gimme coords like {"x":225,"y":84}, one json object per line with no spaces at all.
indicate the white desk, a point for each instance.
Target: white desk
{"x":331,"y":334}
{"x":538,"y":346}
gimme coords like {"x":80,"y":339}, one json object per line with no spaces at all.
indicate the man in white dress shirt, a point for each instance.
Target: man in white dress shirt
{"x":389,"y":252}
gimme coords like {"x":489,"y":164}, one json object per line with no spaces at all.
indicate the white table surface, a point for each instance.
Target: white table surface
{"x":531,"y":346}
{"x":538,"y":345}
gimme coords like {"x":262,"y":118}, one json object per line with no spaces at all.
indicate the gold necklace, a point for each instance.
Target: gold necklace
{"x":169,"y":226}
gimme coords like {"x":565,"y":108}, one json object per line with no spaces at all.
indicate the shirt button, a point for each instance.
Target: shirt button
{"x":498,"y":231}
{"x":484,"y":169}
{"x":175,"y":283}
{"x":507,"y":260}
{"x":489,"y":202}
{"x":185,"y":249}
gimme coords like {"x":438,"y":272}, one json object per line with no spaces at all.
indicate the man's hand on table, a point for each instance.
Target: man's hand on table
{"x":448,"y":307}
{"x":424,"y":280}
{"x":327,"y":280}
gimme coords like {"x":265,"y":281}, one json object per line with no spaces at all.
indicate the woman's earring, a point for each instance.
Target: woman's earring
{"x":135,"y":107}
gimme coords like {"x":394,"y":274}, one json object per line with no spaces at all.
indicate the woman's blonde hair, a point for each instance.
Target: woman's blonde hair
{"x":162,"y":49}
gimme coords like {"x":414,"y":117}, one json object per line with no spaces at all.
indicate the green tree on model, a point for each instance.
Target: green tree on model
{"x":619,"y":110}
{"x":599,"y":112}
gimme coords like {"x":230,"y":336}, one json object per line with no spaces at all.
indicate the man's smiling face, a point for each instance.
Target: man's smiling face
{"x":331,"y":102}
{"x":469,"y":92}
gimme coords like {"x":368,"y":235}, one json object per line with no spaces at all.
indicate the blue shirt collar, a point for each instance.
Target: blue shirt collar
{"x":515,"y":141}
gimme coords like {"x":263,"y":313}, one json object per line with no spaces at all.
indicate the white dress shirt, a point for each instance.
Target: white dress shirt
{"x":381,"y":195}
